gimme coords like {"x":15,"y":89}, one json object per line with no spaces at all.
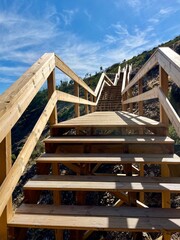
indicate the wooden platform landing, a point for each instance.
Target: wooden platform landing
{"x":110,"y":119}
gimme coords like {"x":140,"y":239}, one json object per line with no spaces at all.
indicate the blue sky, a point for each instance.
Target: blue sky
{"x":86,"y":34}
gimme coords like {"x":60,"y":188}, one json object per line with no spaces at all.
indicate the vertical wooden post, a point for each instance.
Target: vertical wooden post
{"x":76,"y":93}
{"x":131,"y":104}
{"x":55,"y":167}
{"x":163,"y":77}
{"x":141,"y":173}
{"x":140,"y":104}
{"x":86,"y":106}
{"x":166,"y":196}
{"x":5,"y":166}
{"x":92,"y":100}
{"x":124,"y":97}
{"x":51,"y":88}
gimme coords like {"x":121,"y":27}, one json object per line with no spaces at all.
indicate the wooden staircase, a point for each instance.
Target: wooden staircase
{"x":85,"y":154}
{"x":110,"y":99}
{"x":94,"y":176}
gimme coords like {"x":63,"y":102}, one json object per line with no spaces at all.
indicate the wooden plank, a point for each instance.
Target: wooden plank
{"x":152,"y":61}
{"x":18,"y":168}
{"x":86,"y":97}
{"x":62,"y":96}
{"x":110,"y":158}
{"x":140,"y":103}
{"x":163,"y":77}
{"x":171,"y":113}
{"x":170,"y":62}
{"x":100,"y":82}
{"x":97,"y":218}
{"x":51,"y":88}
{"x":110,"y":139}
{"x":5,"y":166}
{"x":76,"y":93}
{"x":64,"y":68}
{"x":100,"y":183}
{"x":109,"y":119}
{"x":151,"y":94}
{"x":97,"y":211}
{"x":17,"y":98}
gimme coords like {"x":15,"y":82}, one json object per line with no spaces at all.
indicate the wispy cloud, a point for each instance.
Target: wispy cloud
{"x":86,"y":12}
{"x":67,"y":15}
{"x":134,"y":3}
{"x":162,"y":14}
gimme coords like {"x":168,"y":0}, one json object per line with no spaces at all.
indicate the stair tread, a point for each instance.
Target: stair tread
{"x":109,"y":139}
{"x":103,"y":183}
{"x":110,"y":158}
{"x":96,"y":218}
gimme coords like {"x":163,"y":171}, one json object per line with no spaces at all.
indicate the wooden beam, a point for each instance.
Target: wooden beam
{"x":163,"y":77}
{"x":18,"y":168}
{"x":76,"y":93}
{"x":51,"y":88}
{"x":62,"y":96}
{"x":86,"y":106}
{"x":17,"y":98}
{"x":171,"y":113}
{"x":5,"y":166}
{"x":140,"y":103}
{"x":151,"y":94}
{"x":64,"y":68}
{"x":145,"y":68}
{"x":170,"y":62}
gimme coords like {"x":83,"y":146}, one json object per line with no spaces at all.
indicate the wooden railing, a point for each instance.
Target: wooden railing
{"x":16,"y":100}
{"x":169,"y":66}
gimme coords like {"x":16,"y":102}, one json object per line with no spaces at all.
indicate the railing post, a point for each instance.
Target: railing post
{"x":51,"y":88}
{"x":76,"y":93}
{"x":92,"y":100}
{"x":5,"y":166}
{"x":55,"y":167}
{"x":140,"y":91}
{"x":163,"y":77}
{"x":86,"y":97}
{"x":124,"y":98}
{"x":166,"y":197}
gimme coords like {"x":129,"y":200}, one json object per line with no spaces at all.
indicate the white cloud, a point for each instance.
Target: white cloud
{"x":162,"y":14}
{"x":165,"y":11}
{"x":134,"y":3}
{"x":68,"y":15}
{"x":86,"y":12}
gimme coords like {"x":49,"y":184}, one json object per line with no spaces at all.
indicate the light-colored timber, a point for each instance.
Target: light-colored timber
{"x":110,"y":119}
{"x":96,"y":218}
{"x":106,"y":150}
{"x":110,"y":139}
{"x":109,"y":158}
{"x":99,"y":183}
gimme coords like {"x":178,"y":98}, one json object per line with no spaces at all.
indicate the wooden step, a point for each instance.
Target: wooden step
{"x":96,"y":218}
{"x":109,"y":158}
{"x":111,"y":139}
{"x":103,"y":183}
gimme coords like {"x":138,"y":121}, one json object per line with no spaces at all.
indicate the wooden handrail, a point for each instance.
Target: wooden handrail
{"x":64,"y":68}
{"x":169,"y":62}
{"x":18,"y":167}
{"x":171,"y":113}
{"x":151,"y":94}
{"x":18,"y":97}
